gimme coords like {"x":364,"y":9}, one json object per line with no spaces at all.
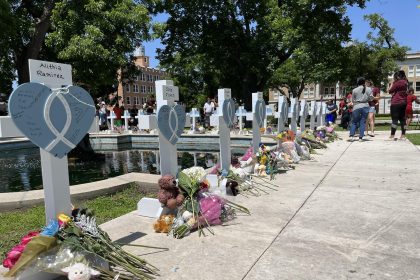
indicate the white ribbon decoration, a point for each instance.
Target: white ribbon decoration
{"x":58,"y":93}
{"x":174,"y":131}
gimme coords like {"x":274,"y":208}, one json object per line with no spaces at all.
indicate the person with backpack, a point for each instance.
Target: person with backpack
{"x":360,"y":98}
{"x":398,"y":103}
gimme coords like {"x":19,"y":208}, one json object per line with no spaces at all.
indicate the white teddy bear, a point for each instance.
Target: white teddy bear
{"x":80,"y":271}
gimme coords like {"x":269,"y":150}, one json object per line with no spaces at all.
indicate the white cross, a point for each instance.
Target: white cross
{"x":194,"y":114}
{"x":126,"y":117}
{"x":111,"y":117}
{"x":240,"y":113}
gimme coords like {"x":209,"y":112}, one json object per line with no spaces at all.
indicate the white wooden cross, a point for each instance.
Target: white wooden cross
{"x":313,"y":112}
{"x":256,"y":133}
{"x":55,"y":177}
{"x":318,"y":113}
{"x":224,"y":130}
{"x":240,"y":113}
{"x":112,"y":117}
{"x":194,"y":114}
{"x":282,"y":113}
{"x":303,"y":114}
{"x":167,"y":94}
{"x":126,"y":117}
{"x":294,"y":113}
{"x":323,"y":113}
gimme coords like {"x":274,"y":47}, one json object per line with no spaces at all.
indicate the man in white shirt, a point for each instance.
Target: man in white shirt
{"x":208,"y":110}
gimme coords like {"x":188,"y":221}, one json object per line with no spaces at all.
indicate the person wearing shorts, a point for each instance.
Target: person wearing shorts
{"x":370,"y":122}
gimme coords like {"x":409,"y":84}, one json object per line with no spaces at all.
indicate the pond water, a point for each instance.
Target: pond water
{"x":20,"y":170}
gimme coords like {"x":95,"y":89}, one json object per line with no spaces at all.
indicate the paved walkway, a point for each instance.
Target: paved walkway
{"x":351,"y":213}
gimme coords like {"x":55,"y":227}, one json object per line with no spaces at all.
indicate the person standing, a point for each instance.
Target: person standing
{"x":398,"y":103}
{"x":332,"y":112}
{"x":409,"y":109}
{"x":372,"y":108}
{"x":208,"y":111}
{"x":118,"y":113}
{"x":360,"y":101}
{"x":102,"y":116}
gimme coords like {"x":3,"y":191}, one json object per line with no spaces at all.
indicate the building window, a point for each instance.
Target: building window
{"x":127,"y":100}
{"x":127,"y":87}
{"x":136,"y":100}
{"x":418,"y":70}
{"x":143,"y":89}
{"x":332,"y":91}
{"x":136,"y":78}
{"x":326,"y":91}
{"x":411,"y":71}
{"x":150,"y":89}
{"x":410,"y":84}
{"x":143,"y":100}
{"x":417,"y":86}
{"x":143,"y":77}
{"x":311,"y":92}
{"x":135,"y":88}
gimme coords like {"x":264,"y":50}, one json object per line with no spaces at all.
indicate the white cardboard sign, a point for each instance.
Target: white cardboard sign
{"x":51,"y":74}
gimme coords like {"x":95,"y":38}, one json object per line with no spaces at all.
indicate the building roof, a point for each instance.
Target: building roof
{"x":413,"y":55}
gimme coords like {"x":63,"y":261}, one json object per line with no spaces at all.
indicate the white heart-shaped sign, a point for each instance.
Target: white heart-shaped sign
{"x":229,"y":112}
{"x":171,"y":122}
{"x":54,"y":120}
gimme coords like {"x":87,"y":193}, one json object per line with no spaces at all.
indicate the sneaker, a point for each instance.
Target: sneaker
{"x":351,"y":139}
{"x":403,"y":137}
{"x":360,"y":139}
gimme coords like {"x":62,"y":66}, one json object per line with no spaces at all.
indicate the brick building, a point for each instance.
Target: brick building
{"x":136,"y":92}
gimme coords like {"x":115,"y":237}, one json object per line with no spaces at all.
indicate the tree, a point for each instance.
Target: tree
{"x":376,"y":58}
{"x":7,"y":25}
{"x":95,"y":36}
{"x":239,"y":44}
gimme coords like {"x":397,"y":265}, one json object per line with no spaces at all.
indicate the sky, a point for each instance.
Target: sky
{"x":402,"y":15}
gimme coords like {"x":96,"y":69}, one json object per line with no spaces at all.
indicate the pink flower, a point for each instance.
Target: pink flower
{"x":28,"y":237}
{"x":8,"y":263}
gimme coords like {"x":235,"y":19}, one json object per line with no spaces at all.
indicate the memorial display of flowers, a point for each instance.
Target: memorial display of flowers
{"x":200,"y":209}
{"x":73,"y":244}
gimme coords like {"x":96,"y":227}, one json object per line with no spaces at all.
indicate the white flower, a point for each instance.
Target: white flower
{"x":195,"y":173}
{"x":87,"y":224}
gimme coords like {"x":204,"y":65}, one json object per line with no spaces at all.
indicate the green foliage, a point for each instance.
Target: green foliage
{"x":95,"y":36}
{"x":240,"y":44}
{"x":374,"y":59}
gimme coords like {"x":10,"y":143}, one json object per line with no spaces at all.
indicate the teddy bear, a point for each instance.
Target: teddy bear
{"x":164,"y":223}
{"x":169,"y":194}
{"x":80,"y":271}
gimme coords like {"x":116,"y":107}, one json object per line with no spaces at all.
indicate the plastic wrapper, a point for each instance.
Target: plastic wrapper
{"x":54,"y":260}
{"x":290,"y":149}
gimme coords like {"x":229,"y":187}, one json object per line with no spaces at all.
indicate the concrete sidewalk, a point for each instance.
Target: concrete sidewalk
{"x":351,"y":213}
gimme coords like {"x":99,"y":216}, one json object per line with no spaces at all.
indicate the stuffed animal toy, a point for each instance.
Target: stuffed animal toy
{"x":169,"y":194}
{"x":260,"y":170}
{"x":80,"y":271}
{"x":164,"y":223}
{"x":234,"y":186}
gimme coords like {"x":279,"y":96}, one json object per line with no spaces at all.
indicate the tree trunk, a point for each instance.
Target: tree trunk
{"x":32,"y":50}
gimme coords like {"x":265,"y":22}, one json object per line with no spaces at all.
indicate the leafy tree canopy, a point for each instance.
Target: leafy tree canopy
{"x":240,"y":44}
{"x":95,"y":36}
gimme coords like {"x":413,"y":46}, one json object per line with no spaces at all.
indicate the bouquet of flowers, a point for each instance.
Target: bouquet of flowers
{"x":77,"y":234}
{"x":200,"y":209}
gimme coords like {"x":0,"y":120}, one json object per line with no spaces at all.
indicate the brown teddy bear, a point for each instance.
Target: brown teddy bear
{"x":164,"y":223}
{"x":169,"y":194}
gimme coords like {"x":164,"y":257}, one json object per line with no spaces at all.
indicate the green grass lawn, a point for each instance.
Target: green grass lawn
{"x":15,"y":224}
{"x":414,"y":138}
